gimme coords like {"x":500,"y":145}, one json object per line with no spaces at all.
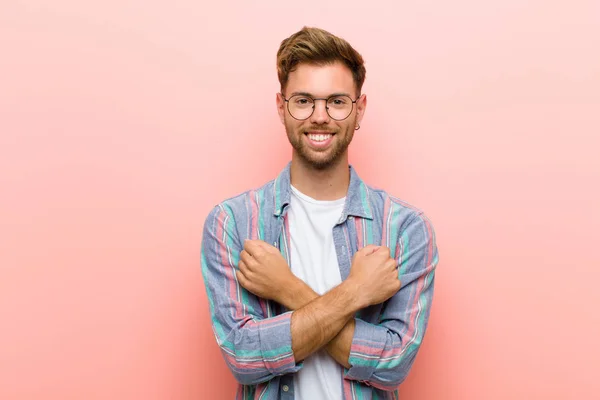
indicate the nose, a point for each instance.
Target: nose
{"x":319,"y":115}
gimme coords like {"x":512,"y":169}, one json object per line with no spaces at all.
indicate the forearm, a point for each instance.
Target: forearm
{"x":317,"y":323}
{"x":339,"y":346}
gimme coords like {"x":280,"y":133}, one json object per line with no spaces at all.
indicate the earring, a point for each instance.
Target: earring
{"x":357,"y":127}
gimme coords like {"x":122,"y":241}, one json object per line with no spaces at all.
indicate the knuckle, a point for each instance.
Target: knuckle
{"x":241,"y":278}
{"x":258,"y":253}
{"x":383,"y":253}
{"x":248,"y":276}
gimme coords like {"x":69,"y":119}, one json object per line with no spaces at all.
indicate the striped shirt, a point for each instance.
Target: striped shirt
{"x":254,"y":334}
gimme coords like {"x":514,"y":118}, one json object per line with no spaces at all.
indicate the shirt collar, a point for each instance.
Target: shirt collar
{"x":357,"y":203}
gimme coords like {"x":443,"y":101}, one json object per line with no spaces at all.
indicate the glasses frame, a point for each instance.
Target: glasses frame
{"x":314,"y":104}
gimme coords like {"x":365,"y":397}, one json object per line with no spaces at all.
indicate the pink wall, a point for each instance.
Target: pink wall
{"x":123,"y":123}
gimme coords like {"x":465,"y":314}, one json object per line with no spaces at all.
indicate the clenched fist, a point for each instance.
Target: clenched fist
{"x":263,"y":270}
{"x":375,"y":275}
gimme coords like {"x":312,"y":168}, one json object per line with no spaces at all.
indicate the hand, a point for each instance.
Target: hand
{"x":263,"y":270}
{"x":375,"y":273}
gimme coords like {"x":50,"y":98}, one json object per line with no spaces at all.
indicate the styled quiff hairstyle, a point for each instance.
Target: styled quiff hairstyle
{"x":317,"y":46}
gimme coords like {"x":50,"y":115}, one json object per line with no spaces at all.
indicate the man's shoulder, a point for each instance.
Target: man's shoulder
{"x":380,"y":197}
{"x":391,"y":206}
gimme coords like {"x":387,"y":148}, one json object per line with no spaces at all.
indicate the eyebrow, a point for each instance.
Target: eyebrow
{"x":311,"y":95}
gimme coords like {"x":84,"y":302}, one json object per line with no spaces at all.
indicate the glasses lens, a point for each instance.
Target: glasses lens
{"x":300,"y":107}
{"x":339,"y":107}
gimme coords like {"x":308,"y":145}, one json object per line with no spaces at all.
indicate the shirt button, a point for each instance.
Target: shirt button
{"x":275,"y":244}
{"x":351,"y":217}
{"x":286,"y":388}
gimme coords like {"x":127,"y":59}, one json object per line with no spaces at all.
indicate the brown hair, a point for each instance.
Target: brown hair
{"x":317,"y":46}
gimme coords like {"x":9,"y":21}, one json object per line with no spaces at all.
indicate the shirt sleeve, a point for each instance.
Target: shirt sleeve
{"x":255,"y":348}
{"x":382,"y":354}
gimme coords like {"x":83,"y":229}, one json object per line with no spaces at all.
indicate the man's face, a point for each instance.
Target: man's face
{"x":320,"y":141}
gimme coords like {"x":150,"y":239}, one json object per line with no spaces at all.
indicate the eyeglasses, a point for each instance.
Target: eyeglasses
{"x":301,"y":107}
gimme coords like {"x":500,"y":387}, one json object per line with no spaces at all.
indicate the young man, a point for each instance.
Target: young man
{"x":319,"y":286}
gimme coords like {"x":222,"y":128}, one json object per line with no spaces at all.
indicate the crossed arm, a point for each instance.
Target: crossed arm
{"x":319,"y":320}
{"x":258,"y":346}
{"x":338,"y":347}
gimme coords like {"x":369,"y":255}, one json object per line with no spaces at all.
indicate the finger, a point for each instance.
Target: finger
{"x":380,"y":253}
{"x":242,"y":266}
{"x":245,"y":283}
{"x":254,"y":248}
{"x":248,"y":246}
{"x":260,"y":243}
{"x":265,"y":246}
{"x":398,"y":285}
{"x":244,"y":255}
{"x":241,"y":278}
{"x":247,"y":267}
{"x":392,"y":264}
{"x":250,"y":266}
{"x":385,"y":250}
{"x":247,"y":257}
{"x":261,"y":246}
{"x":369,"y":249}
{"x":257,"y":253}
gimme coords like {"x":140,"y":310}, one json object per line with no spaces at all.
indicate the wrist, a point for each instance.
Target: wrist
{"x":353,"y":289}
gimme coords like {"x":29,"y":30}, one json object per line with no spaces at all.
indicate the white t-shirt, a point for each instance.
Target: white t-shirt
{"x":314,"y":260}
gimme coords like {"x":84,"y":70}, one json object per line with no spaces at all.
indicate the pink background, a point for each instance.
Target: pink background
{"x":123,"y":122}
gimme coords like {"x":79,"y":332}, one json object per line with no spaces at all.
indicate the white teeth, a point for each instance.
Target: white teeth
{"x":319,"y":138}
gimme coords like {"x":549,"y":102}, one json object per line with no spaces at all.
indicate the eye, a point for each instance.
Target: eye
{"x":302,"y":100}
{"x":339,"y":101}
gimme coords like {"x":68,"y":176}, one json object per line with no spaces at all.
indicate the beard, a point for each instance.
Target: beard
{"x":320,"y":159}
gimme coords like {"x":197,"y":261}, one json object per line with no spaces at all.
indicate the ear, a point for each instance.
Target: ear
{"x":361,"y":106}
{"x":280,"y":101}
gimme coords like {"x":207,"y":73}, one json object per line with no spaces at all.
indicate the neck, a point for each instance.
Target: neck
{"x":321,"y":184}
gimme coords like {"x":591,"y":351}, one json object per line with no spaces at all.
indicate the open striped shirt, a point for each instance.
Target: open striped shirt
{"x":254,"y":334}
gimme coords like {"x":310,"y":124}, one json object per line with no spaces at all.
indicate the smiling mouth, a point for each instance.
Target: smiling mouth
{"x":319,"y":137}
